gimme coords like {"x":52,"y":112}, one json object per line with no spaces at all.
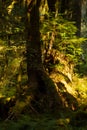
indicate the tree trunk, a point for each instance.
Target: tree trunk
{"x":33,"y":44}
{"x":76,"y":15}
{"x":41,"y":89}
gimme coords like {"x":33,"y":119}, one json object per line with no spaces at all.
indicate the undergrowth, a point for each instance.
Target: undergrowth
{"x":45,"y":122}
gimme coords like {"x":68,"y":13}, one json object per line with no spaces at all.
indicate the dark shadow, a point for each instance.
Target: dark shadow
{"x":5,"y":107}
{"x":46,"y":97}
{"x":79,"y":119}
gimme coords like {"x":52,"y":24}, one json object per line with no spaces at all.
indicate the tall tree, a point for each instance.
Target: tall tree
{"x":76,"y":14}
{"x":33,"y":44}
{"x":40,"y":87}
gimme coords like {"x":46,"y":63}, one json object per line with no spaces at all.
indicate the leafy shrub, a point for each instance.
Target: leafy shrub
{"x":59,"y":38}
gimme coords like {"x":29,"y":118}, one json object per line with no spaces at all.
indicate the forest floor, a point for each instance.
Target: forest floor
{"x":61,"y":120}
{"x":47,"y":122}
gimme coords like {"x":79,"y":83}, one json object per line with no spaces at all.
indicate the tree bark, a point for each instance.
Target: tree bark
{"x":41,"y":89}
{"x":76,"y":15}
{"x":33,"y":46}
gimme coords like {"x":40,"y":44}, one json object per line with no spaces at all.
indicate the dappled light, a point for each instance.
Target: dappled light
{"x":43,"y":65}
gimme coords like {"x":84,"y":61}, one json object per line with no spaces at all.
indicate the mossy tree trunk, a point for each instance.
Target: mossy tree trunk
{"x":41,"y":89}
{"x":33,"y":45}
